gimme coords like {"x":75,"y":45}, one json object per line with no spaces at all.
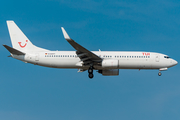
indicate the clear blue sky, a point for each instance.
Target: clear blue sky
{"x":29,"y":92}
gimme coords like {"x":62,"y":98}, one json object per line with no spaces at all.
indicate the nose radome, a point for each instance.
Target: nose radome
{"x":175,"y":62}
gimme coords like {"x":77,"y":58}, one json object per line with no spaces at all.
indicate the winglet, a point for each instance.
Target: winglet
{"x":66,"y":36}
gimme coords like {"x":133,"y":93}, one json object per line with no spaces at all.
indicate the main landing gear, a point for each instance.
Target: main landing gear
{"x":90,"y":71}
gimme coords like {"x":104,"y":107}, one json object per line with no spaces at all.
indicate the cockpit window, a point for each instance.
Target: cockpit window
{"x":166,"y":57}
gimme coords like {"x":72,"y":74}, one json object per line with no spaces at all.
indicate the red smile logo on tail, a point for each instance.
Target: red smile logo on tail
{"x":23,"y":45}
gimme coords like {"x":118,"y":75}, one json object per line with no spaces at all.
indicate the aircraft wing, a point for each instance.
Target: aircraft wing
{"x":85,"y":55}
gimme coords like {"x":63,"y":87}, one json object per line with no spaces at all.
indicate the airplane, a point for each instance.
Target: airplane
{"x":106,"y":63}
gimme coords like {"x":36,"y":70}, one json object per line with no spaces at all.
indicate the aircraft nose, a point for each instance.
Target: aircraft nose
{"x":175,"y":62}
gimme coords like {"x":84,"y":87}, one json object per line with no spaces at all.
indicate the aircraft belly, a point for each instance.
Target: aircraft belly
{"x":58,"y":63}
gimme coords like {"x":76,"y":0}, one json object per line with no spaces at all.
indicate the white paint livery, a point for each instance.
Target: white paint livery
{"x":106,"y":62}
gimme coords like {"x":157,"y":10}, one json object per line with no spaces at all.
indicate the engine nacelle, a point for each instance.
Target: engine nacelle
{"x":109,"y":63}
{"x":109,"y":72}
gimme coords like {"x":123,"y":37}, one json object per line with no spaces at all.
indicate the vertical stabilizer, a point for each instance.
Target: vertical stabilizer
{"x":19,"y":40}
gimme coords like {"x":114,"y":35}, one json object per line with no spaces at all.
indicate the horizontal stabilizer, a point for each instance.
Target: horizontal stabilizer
{"x":13,"y":51}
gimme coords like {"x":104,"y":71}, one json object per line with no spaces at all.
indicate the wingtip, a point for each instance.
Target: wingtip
{"x":66,"y":36}
{"x":9,"y":21}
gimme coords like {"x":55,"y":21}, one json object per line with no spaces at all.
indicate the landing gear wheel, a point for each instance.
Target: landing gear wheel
{"x":91,"y":75}
{"x":90,"y":71}
{"x":159,"y":73}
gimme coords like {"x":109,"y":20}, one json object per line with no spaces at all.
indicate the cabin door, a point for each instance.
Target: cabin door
{"x":157,"y":58}
{"x":37,"y":57}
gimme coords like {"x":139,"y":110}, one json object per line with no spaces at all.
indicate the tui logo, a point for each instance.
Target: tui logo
{"x":22,"y":46}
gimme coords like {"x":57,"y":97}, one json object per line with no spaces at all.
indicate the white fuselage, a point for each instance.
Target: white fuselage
{"x":126,"y":60}
{"x":106,"y":62}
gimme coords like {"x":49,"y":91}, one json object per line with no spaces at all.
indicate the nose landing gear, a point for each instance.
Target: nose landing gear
{"x":161,"y":69}
{"x":159,"y":73}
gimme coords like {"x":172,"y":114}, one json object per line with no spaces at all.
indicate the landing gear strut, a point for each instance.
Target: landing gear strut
{"x":159,"y":73}
{"x":90,"y":71}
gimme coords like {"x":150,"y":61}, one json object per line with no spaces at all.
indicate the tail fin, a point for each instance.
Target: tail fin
{"x":19,"y":40}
